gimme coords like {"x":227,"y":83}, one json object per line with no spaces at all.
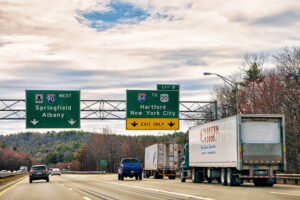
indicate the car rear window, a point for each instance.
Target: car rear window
{"x":39,"y":168}
{"x":130,"y":161}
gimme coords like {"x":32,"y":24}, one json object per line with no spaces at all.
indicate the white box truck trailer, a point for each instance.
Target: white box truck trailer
{"x":161,"y":160}
{"x":237,"y":148}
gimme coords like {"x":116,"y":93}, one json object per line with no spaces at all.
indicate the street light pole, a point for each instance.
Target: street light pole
{"x":233,"y":84}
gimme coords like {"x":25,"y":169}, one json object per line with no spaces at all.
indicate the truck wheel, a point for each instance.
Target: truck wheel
{"x":155,"y":175}
{"x":195,"y":176}
{"x":270,"y":182}
{"x":229,"y":177}
{"x":136,"y":177}
{"x":182,"y":178}
{"x":122,"y":177}
{"x":119,"y":177}
{"x":30,"y":180}
{"x":140,"y":176}
{"x":223,"y":177}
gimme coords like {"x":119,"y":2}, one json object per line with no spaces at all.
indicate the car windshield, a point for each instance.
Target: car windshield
{"x":130,"y":161}
{"x":39,"y":168}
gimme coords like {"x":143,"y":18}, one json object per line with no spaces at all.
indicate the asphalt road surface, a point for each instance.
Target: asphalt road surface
{"x":107,"y":187}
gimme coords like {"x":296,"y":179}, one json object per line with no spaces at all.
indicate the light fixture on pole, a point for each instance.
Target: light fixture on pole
{"x":233,"y":84}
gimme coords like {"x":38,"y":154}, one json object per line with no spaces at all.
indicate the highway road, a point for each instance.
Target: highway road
{"x":107,"y":187}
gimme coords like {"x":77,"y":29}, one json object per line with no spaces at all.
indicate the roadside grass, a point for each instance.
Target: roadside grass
{"x":9,"y":179}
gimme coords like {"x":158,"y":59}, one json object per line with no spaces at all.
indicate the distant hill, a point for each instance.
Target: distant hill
{"x":79,"y":148}
{"x":50,"y":147}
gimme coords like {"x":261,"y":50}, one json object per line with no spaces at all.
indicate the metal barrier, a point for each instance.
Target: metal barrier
{"x":10,"y":174}
{"x":292,"y":179}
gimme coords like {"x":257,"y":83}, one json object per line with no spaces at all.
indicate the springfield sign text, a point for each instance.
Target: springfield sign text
{"x":52,"y":109}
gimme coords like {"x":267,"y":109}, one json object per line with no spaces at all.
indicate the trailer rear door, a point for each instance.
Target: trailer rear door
{"x":262,"y":141}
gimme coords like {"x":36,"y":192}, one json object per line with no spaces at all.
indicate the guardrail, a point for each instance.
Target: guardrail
{"x":293,"y":179}
{"x":7,"y":174}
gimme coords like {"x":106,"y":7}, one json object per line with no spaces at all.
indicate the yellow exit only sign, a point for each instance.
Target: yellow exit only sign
{"x":152,"y":124}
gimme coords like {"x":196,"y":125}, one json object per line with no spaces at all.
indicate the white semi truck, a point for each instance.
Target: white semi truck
{"x":161,"y":160}
{"x":236,"y":148}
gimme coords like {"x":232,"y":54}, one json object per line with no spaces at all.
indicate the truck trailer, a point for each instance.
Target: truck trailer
{"x":161,"y":160}
{"x":237,"y":148}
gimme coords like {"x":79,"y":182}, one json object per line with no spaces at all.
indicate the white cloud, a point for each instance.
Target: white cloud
{"x":43,"y":44}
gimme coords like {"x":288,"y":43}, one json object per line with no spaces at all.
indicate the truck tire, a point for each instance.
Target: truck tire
{"x":229,"y":178}
{"x":182,"y":177}
{"x":223,"y":177}
{"x":155,"y":175}
{"x":136,"y":177}
{"x":140,"y":176}
{"x":147,"y":175}
{"x":270,"y":182}
{"x":195,"y":176}
{"x":30,"y":180}
{"x":122,"y":177}
{"x":119,"y":177}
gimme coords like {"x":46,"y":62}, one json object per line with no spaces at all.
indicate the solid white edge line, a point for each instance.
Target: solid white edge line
{"x":155,"y":190}
{"x":285,"y":194}
{"x":86,"y":198}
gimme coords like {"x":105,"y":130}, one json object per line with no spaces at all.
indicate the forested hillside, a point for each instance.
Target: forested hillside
{"x":75,"y":150}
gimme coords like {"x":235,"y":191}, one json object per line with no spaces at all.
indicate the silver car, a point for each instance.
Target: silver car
{"x":55,"y":171}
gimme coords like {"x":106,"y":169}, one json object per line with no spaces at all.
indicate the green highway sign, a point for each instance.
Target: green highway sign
{"x":167,"y":87}
{"x":103,"y":163}
{"x":52,"y":109}
{"x":152,"y":110}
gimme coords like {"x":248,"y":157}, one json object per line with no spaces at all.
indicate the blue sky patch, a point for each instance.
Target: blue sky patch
{"x":119,"y":13}
{"x":282,"y":19}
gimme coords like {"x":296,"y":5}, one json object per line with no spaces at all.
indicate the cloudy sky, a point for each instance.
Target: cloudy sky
{"x":103,"y":47}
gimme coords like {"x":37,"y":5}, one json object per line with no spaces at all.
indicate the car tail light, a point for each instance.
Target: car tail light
{"x":30,"y":172}
{"x":122,"y":166}
{"x":46,"y":170}
{"x":142,"y":166}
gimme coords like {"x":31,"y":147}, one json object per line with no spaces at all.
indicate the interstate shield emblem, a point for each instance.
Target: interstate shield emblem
{"x":142,"y":97}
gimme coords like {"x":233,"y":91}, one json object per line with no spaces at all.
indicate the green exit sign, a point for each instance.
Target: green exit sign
{"x":168,"y":87}
{"x":103,"y":163}
{"x":52,"y":109}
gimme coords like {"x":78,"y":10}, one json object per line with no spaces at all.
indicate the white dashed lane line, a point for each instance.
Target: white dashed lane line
{"x":86,"y":198}
{"x":163,"y":191}
{"x":288,"y":194}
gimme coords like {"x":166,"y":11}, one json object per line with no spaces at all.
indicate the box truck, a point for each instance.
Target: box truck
{"x":236,"y":148}
{"x":161,"y":160}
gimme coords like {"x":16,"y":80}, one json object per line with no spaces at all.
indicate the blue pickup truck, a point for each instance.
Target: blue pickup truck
{"x":130,"y":167}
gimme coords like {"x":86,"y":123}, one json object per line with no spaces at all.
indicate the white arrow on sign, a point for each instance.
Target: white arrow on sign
{"x":71,"y":121}
{"x":34,"y":122}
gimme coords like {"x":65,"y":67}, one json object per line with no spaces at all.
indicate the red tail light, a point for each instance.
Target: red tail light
{"x":30,"y":172}
{"x":46,"y":170}
{"x":142,"y":166}
{"x":122,"y":166}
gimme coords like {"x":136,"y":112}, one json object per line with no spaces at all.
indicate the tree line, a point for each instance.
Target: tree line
{"x":274,"y":90}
